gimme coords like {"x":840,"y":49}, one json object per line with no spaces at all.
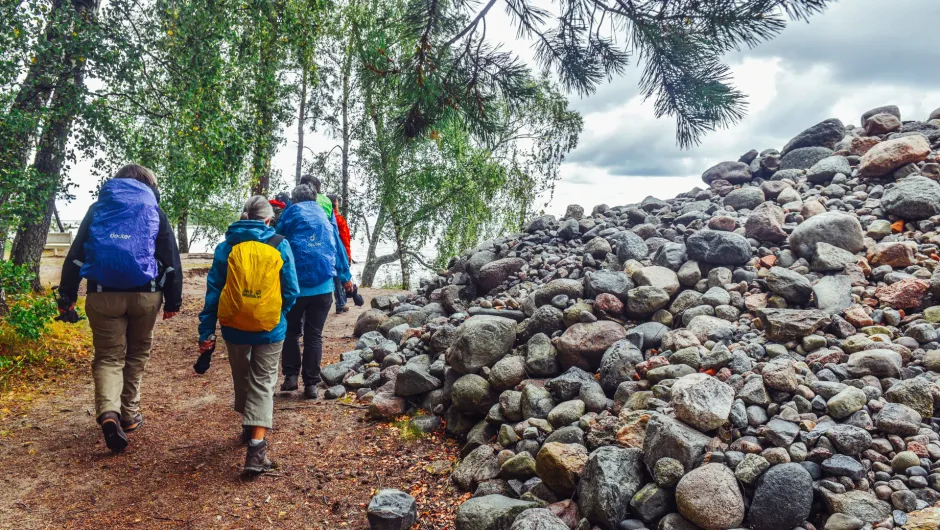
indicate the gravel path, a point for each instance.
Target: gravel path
{"x":182,"y":469}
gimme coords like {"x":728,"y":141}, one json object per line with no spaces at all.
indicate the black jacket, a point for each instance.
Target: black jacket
{"x":170,"y":271}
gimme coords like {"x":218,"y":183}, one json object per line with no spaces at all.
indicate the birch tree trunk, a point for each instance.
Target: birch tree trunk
{"x":51,"y":155}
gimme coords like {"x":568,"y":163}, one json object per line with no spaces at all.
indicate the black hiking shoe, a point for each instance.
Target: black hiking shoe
{"x":114,"y":436}
{"x":132,"y":425}
{"x":289,"y":384}
{"x":256,"y":460}
{"x":310,"y":392}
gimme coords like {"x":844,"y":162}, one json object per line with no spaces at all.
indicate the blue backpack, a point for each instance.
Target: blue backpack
{"x":310,"y":235}
{"x":122,"y":238}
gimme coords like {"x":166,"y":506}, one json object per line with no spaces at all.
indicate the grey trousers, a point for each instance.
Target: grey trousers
{"x":254,"y":374}
{"x":122,"y":333}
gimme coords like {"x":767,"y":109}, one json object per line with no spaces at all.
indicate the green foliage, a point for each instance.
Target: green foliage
{"x":455,"y":188}
{"x":206,"y":88}
{"x":451,"y":69}
{"x":392,"y":282}
{"x":14,"y":280}
{"x":211,"y":218}
{"x":28,"y":314}
{"x":406,"y":428}
{"x":185,"y":104}
{"x":44,"y":52}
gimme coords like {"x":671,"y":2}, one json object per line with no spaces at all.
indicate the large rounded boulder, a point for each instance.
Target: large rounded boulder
{"x":824,"y":134}
{"x":783,"y":498}
{"x":611,"y":282}
{"x":835,"y":228}
{"x":718,"y":248}
{"x":913,"y":198}
{"x":496,"y":272}
{"x":583,"y":345}
{"x":709,"y":497}
{"x":573,"y":289}
{"x":702,"y":401}
{"x":733,"y":172}
{"x":481,"y":341}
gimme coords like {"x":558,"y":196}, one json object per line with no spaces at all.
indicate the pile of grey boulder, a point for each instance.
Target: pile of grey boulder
{"x":761,"y":352}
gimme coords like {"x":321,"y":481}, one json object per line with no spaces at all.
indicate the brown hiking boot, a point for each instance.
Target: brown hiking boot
{"x":132,"y":424}
{"x":114,"y":436}
{"x":256,"y":460}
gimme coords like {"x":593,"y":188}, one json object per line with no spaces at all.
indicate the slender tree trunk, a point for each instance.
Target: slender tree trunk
{"x":58,"y":221}
{"x":51,"y":155}
{"x":347,"y":67}
{"x":18,"y":131}
{"x":262,"y":152}
{"x":372,"y":268}
{"x":266,"y":126}
{"x":402,"y":246}
{"x":31,"y":235}
{"x":301,"y":122}
{"x":523,"y":213}
{"x":373,"y":262}
{"x":182,"y":233}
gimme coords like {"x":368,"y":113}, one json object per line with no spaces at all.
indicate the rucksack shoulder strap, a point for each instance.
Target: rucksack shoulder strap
{"x":275,"y":240}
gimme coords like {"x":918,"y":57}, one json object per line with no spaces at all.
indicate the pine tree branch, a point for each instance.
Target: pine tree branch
{"x":471,"y":26}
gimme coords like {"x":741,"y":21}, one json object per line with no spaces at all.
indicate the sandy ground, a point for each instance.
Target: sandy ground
{"x":182,"y":469}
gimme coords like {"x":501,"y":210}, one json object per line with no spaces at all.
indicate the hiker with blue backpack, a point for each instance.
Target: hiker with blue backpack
{"x":126,"y":250}
{"x":320,"y":257}
{"x":251,"y":287}
{"x":321,"y":199}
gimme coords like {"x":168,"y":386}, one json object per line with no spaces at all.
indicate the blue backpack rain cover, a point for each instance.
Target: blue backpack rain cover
{"x":122,"y":238}
{"x":310,"y":235}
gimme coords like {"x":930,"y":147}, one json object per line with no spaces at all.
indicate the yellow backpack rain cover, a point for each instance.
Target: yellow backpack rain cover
{"x":251,"y":298}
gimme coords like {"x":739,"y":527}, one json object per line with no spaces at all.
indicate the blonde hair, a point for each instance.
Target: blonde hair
{"x":257,"y":208}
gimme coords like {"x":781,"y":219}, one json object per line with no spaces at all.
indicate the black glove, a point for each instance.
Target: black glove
{"x":357,"y":298}
{"x":69,"y":316}
{"x":67,"y":312}
{"x":204,"y":360}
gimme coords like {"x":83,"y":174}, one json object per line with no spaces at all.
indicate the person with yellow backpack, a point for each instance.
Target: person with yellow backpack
{"x":250,"y":289}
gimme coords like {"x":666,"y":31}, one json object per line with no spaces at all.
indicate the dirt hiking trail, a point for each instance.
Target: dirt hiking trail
{"x":182,"y":469}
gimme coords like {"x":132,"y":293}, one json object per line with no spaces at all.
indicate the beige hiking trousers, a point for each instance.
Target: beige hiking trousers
{"x":122,"y":333}
{"x":254,"y":374}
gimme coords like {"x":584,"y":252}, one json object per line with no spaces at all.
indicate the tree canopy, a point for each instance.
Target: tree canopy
{"x":679,"y":43}
{"x":442,"y":135}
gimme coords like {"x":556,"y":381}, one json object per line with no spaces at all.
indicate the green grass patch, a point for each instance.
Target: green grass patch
{"x":28,"y":364}
{"x":406,"y":429}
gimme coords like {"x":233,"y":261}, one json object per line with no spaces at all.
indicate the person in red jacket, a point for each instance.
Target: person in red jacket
{"x":344,"y":236}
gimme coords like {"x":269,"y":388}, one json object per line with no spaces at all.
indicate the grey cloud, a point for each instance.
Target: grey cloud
{"x":646,"y":146}
{"x":577,"y":177}
{"x":842,"y":61}
{"x":858,"y":41}
{"x":609,"y":95}
{"x":865,"y":41}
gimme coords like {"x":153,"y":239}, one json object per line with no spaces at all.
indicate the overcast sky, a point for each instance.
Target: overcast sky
{"x":858,"y":55}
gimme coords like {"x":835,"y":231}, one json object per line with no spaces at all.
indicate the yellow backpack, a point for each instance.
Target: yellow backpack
{"x":251,"y":298}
